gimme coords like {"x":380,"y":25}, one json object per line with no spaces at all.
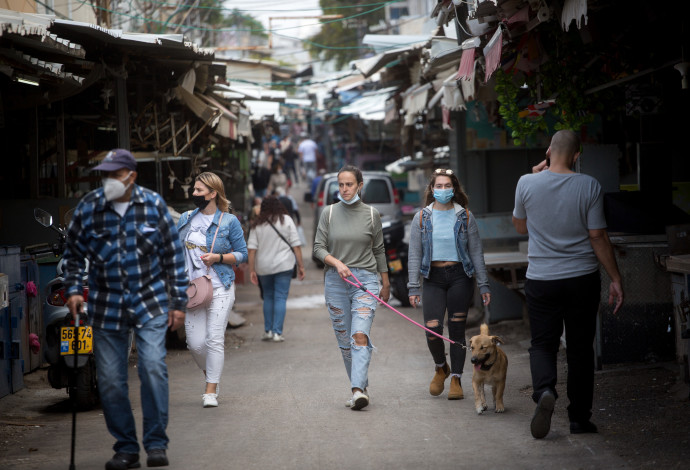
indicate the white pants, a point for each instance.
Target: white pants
{"x":205,"y":330}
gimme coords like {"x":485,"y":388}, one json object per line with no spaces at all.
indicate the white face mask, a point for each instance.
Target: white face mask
{"x":354,"y":199}
{"x":115,"y":188}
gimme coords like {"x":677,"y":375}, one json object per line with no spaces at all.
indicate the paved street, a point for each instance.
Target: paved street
{"x":282,"y":406}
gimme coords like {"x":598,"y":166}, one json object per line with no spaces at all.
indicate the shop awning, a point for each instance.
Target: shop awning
{"x":259,"y":109}
{"x":385,"y":42}
{"x":414,"y":101}
{"x":371,"y":106}
{"x":371,"y":65}
{"x":443,"y":53}
{"x":227,"y":125}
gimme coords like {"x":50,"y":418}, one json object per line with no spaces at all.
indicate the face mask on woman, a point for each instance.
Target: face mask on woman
{"x":354,"y":199}
{"x":115,"y":188}
{"x":443,"y":196}
{"x":200,"y":201}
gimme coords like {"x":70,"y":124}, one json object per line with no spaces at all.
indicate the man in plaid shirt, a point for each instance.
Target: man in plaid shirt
{"x":137,"y":281}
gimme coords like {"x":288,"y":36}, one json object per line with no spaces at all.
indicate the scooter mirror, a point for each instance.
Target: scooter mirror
{"x":42,"y":217}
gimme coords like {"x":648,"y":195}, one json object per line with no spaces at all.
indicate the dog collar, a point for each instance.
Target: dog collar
{"x":486,"y":366}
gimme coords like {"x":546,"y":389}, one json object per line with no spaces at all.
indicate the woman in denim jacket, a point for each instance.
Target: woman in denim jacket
{"x":205,"y":326}
{"x":446,"y":250}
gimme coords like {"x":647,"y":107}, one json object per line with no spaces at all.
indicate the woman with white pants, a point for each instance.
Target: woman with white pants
{"x":214,"y":241}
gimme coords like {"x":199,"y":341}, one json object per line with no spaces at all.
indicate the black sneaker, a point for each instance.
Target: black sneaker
{"x":541,"y":421}
{"x":123,"y":461}
{"x":157,"y":458}
{"x":582,"y":427}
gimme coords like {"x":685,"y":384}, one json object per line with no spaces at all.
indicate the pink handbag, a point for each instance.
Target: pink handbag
{"x":200,"y":290}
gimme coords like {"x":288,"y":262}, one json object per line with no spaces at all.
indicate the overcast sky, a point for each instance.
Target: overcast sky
{"x":263,"y":9}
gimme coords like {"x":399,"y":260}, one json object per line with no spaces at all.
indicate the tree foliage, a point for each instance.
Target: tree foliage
{"x":245,"y":22}
{"x":565,"y":76}
{"x":341,"y":40}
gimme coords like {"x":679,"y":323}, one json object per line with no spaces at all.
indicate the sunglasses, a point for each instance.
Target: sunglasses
{"x":441,"y":171}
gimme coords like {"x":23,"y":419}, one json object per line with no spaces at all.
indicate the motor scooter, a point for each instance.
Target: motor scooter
{"x":396,"y":257}
{"x":59,"y":343}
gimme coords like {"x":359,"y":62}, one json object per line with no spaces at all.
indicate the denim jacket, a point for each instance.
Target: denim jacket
{"x":467,"y":241}
{"x":230,"y":240}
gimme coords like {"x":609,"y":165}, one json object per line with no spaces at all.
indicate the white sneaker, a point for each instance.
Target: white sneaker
{"x":235,"y":319}
{"x":210,"y":399}
{"x":278,"y":338}
{"x":267,"y":336}
{"x":350,"y":401}
{"x":359,"y":400}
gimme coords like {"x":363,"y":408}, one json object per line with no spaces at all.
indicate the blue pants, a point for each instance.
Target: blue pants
{"x":352,"y":311}
{"x":111,"y":351}
{"x":276,"y":288}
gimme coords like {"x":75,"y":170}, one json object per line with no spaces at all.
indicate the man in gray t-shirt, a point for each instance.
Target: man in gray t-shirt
{"x":563,"y":213}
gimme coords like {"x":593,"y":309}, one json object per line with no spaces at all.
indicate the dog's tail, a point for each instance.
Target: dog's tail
{"x":484,"y":329}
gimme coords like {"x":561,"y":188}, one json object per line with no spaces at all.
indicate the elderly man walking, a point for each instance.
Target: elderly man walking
{"x":137,"y":282}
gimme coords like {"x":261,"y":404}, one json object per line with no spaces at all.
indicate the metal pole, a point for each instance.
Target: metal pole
{"x":74,"y":391}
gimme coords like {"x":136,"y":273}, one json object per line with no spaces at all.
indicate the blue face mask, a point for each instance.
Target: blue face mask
{"x":354,"y":199}
{"x":443,"y":196}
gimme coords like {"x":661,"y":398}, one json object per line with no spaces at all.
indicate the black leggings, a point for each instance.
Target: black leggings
{"x":447,"y":288}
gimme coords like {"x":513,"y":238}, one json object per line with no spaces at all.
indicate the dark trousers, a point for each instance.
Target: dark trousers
{"x":552,"y":304}
{"x":290,"y":168}
{"x":447,"y":288}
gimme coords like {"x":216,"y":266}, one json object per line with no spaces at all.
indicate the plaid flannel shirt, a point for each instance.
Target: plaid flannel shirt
{"x":136,"y":263}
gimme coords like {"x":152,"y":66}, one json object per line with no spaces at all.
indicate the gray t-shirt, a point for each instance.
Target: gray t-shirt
{"x":560,"y":210}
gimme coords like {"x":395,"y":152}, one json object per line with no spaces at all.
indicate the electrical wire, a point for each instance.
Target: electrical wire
{"x":197,"y":28}
{"x":254,"y":10}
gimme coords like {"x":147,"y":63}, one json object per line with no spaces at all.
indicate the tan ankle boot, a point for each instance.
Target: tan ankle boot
{"x":436,"y":386}
{"x":455,"y":392}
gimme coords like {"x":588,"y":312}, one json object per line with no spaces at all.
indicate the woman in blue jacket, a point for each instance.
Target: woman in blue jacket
{"x":446,"y":250}
{"x":205,"y":326}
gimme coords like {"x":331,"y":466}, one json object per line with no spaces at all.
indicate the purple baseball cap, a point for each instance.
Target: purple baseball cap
{"x":116,"y":159}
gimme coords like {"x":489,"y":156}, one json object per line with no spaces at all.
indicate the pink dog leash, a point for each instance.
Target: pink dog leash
{"x":360,"y":286}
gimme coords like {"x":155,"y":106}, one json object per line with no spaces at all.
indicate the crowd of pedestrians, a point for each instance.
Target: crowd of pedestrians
{"x":141,"y":265}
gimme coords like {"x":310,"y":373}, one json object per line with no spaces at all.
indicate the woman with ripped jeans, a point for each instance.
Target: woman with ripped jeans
{"x":446,"y":250}
{"x":349,"y":241}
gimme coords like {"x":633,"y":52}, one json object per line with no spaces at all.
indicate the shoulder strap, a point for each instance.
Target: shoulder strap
{"x":371,"y":211}
{"x":420,"y":218}
{"x":279,"y":234}
{"x":217,"y":228}
{"x":283,"y":238}
{"x":208,"y":268}
{"x":330,"y":212}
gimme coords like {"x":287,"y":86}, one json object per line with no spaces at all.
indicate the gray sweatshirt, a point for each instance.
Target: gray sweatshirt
{"x":351,"y":233}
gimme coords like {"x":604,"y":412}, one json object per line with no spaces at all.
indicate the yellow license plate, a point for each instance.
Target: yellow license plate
{"x":68,"y":340}
{"x":395,"y":265}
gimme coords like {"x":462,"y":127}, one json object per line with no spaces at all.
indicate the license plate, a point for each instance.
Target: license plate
{"x":395,"y":265}
{"x":68,"y":340}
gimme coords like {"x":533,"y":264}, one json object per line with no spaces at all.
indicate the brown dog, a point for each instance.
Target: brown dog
{"x":490,"y":367}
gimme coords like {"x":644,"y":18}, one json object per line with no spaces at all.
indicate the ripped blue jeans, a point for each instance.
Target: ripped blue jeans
{"x":352,"y":311}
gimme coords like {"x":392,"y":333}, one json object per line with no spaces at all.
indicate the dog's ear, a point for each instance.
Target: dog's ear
{"x":497,"y":340}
